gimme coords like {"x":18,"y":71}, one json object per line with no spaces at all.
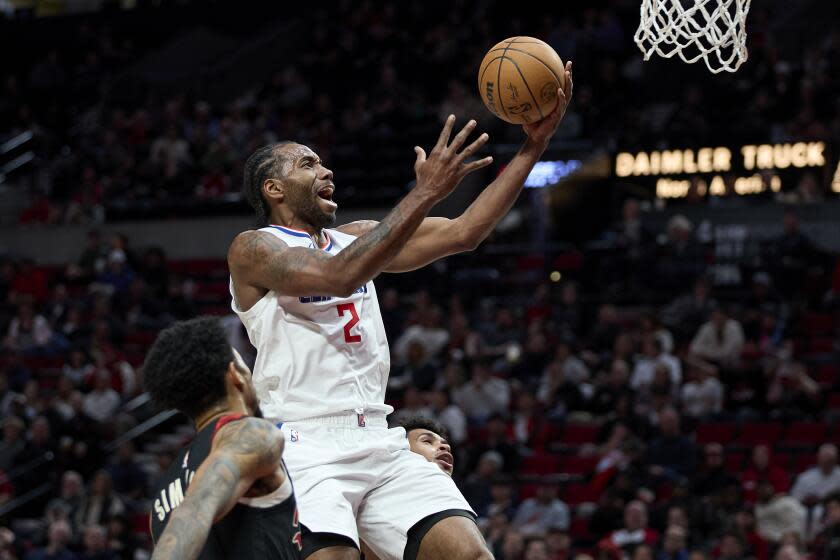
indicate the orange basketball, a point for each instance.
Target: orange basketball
{"x":518,"y":79}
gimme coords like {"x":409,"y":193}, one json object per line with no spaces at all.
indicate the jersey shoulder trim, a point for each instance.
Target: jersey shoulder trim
{"x":299,"y":233}
{"x":224,"y":421}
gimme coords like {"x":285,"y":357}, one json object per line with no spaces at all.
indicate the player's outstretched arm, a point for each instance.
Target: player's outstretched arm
{"x":439,"y":237}
{"x":262,"y":261}
{"x":243,"y":452}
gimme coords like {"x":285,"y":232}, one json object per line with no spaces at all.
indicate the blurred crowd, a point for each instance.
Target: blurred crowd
{"x":581,"y":426}
{"x":370,"y":81}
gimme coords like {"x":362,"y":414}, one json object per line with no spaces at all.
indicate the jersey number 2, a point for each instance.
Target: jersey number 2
{"x":354,"y":318}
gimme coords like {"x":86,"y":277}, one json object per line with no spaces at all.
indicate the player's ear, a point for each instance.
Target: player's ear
{"x":234,"y":377}
{"x":274,"y":189}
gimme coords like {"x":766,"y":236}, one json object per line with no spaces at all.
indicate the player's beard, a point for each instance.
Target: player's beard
{"x":304,"y":204}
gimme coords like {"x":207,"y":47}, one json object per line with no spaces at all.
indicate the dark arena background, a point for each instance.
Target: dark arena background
{"x":641,"y":362}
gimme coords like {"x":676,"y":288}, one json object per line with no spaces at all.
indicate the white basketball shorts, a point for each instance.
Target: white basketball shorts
{"x":364,"y":482}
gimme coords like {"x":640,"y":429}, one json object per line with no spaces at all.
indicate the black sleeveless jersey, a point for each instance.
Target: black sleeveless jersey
{"x":256,"y":528}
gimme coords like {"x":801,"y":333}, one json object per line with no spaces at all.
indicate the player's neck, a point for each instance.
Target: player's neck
{"x":215,"y":412}
{"x":294,"y":224}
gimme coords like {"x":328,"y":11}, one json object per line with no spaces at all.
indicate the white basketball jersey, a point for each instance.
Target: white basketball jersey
{"x":317,"y":355}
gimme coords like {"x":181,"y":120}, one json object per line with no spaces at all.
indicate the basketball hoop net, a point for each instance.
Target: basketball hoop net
{"x":714,"y":30}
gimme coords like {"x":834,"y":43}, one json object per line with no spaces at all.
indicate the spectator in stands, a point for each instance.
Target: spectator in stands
{"x":118,"y":275}
{"x":559,"y":394}
{"x":484,"y":395}
{"x":537,"y":515}
{"x":513,"y":547}
{"x":776,"y":514}
{"x":715,"y":476}
{"x":452,"y":417}
{"x":610,"y":387}
{"x":761,"y":468}
{"x":13,"y":443}
{"x":129,"y":478}
{"x":477,"y":488}
{"x":731,"y":547}
{"x":79,"y":367}
{"x":154,"y":270}
{"x":494,"y":529}
{"x":498,"y":439}
{"x":528,"y":424}
{"x":501,"y":495}
{"x":681,"y":258}
{"x":789,"y":552}
{"x":29,"y":332}
{"x":643,"y":552}
{"x":60,"y":409}
{"x":745,"y":525}
{"x":818,"y":482}
{"x":100,"y":502}
{"x":574,"y":369}
{"x":59,"y":535}
{"x":559,"y":545}
{"x":828,"y":540}
{"x":792,"y":253}
{"x":671,"y":454}
{"x":39,"y":447}
{"x":635,"y":531}
{"x":702,"y":395}
{"x":417,"y":370}
{"x":96,"y":544}
{"x":536,"y":549}
{"x":791,"y":392}
{"x":413,"y":406}
{"x":652,"y":356}
{"x":606,"y":330}
{"x":719,"y":341}
{"x":70,"y":497}
{"x":16,"y":375}
{"x":688,"y":312}
{"x":7,"y":395}
{"x":609,"y":516}
{"x":121,"y":539}
{"x":102,"y":402}
{"x":429,"y":333}
{"x":674,"y":544}
{"x":7,"y":544}
{"x":170,"y":153}
{"x":7,"y":490}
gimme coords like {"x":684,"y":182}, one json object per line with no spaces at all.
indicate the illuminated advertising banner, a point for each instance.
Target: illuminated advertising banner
{"x":725,"y":170}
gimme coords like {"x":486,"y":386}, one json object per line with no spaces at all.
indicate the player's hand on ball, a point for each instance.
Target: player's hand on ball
{"x":445,"y":166}
{"x":542,"y":131}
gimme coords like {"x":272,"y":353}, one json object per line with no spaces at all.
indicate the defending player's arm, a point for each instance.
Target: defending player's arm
{"x":261,"y":260}
{"x":439,"y":237}
{"x":243,"y":452}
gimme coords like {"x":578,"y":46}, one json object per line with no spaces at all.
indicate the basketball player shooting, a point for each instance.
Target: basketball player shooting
{"x":305,"y":295}
{"x":227,"y":494}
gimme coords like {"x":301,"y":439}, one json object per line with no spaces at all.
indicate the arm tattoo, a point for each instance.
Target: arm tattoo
{"x":375,"y":236}
{"x":256,"y":444}
{"x":273,"y":265}
{"x":190,"y":523}
{"x":244,"y":449}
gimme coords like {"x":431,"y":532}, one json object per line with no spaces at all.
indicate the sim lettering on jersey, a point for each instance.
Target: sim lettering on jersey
{"x":171,"y":496}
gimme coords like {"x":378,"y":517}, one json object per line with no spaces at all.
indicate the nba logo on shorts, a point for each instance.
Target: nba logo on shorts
{"x":294,"y":435}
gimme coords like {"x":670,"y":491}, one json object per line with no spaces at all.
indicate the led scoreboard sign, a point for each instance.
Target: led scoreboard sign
{"x":717,"y":171}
